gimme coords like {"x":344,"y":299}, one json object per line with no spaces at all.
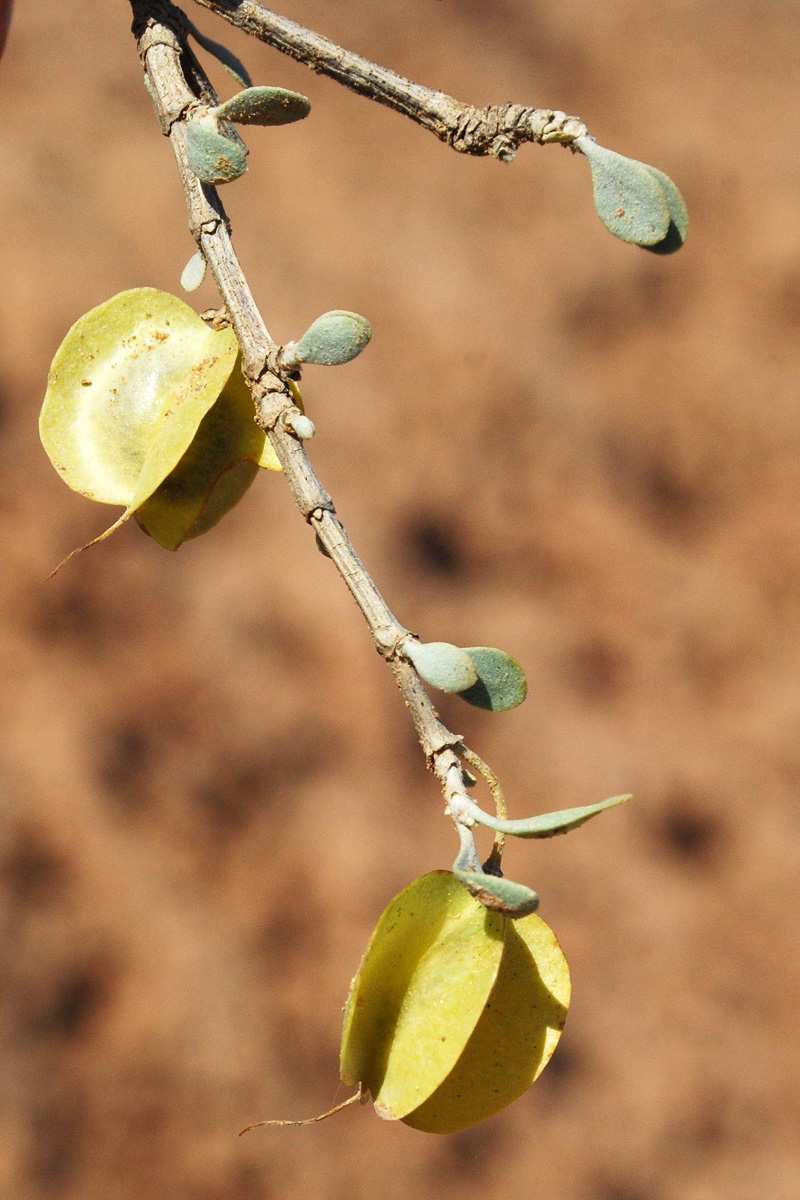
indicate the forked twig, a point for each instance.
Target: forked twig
{"x":498,"y":129}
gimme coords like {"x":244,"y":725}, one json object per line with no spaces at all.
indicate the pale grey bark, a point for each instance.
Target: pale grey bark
{"x":498,"y":130}
{"x":161,"y":30}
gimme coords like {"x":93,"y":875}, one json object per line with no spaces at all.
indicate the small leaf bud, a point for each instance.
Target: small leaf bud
{"x":194,"y":273}
{"x":300,"y":424}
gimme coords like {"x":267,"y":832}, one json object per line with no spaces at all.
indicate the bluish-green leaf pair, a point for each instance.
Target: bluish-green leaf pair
{"x":216,"y":158}
{"x":482,"y":675}
{"x":635,"y":202}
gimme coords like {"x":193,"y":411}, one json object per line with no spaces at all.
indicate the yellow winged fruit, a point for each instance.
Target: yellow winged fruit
{"x":142,"y":393}
{"x":454,"y":1010}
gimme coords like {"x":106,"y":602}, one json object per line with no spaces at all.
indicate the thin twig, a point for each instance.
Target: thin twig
{"x":498,"y":129}
{"x":161,"y":30}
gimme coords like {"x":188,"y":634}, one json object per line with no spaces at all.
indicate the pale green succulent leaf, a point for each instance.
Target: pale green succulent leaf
{"x":513,"y":900}
{"x":265,"y":106}
{"x":334,"y":338}
{"x":213,"y":158}
{"x":442,"y":665}
{"x":501,"y":683}
{"x":628,"y":196}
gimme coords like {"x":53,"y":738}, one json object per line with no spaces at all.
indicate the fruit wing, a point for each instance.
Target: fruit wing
{"x":213,"y":474}
{"x":128,"y":387}
{"x":514,"y":1038}
{"x":419,"y":992}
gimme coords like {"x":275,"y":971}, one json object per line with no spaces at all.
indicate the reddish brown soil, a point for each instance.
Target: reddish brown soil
{"x":556,"y":443}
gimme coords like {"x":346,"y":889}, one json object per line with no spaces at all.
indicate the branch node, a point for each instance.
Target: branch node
{"x":156,"y":32}
{"x":217,"y":318}
{"x":271,"y":405}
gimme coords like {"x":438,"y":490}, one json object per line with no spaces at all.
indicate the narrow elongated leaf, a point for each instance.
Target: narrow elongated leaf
{"x":422,"y":985}
{"x":213,"y":158}
{"x":228,"y":59}
{"x":501,"y":683}
{"x":442,"y":665}
{"x":515,"y":1037}
{"x":265,"y":106}
{"x":628,"y":196}
{"x":334,"y":338}
{"x":548,"y":824}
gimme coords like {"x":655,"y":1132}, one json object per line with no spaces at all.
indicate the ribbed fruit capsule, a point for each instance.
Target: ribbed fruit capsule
{"x":454,"y":1011}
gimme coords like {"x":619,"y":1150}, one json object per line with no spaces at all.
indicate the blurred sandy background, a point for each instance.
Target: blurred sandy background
{"x":556,"y":443}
